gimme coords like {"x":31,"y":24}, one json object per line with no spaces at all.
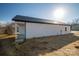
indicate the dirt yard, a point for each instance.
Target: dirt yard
{"x":64,"y":45}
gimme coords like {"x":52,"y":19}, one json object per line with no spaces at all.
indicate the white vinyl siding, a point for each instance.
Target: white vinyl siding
{"x":40,"y":30}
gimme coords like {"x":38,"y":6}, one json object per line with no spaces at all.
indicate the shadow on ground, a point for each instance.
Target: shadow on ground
{"x":36,"y":46}
{"x":41,"y":46}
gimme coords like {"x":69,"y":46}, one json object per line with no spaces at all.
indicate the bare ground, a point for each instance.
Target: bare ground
{"x":64,"y":45}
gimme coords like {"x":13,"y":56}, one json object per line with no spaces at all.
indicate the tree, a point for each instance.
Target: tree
{"x":0,"y":25}
{"x":9,"y":29}
{"x":75,"y":24}
{"x":75,"y":21}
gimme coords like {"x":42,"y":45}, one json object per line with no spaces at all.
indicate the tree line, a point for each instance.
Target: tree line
{"x":7,"y":28}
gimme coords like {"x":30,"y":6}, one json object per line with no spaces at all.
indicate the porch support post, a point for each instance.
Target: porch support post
{"x":15,"y":30}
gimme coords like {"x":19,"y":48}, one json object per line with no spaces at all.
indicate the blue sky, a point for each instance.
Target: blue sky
{"x":45,"y":11}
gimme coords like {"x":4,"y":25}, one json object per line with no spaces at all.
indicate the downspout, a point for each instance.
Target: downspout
{"x":25,"y":32}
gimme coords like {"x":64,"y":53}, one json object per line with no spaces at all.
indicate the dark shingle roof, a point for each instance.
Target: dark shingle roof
{"x":33,"y":20}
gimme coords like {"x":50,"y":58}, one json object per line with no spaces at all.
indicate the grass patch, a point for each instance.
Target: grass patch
{"x":5,"y":36}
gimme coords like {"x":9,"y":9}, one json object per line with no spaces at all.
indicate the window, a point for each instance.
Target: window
{"x":17,"y":29}
{"x":65,"y":28}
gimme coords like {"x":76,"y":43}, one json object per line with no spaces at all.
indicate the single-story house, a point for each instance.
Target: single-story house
{"x":30,"y":27}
